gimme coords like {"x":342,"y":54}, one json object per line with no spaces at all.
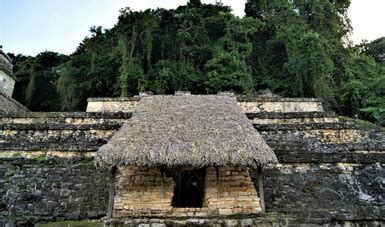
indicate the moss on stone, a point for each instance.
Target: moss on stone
{"x":362,"y":123}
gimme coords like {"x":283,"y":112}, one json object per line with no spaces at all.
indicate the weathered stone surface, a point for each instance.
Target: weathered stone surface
{"x":112,"y":104}
{"x":32,"y":135}
{"x":247,"y":104}
{"x":55,"y":189}
{"x":141,"y":191}
{"x":7,"y":78}
{"x":10,"y":106}
{"x":336,"y":189}
{"x":331,"y":171}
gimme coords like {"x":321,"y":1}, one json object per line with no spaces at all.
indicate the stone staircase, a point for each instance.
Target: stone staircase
{"x":307,"y":135}
{"x":57,"y":134}
{"x":319,"y":137}
{"x":331,"y":168}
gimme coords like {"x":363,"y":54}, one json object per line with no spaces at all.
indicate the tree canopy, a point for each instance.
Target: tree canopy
{"x":295,"y":48}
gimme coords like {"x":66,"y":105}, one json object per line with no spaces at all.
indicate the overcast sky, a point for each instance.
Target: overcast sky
{"x":33,"y":26}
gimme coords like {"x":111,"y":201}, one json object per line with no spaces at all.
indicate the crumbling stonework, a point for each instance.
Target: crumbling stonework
{"x":251,"y":104}
{"x":112,"y":104}
{"x":331,"y":170}
{"x":143,"y":191}
{"x":279,"y":105}
{"x":52,"y":189}
{"x":139,"y":192}
{"x":7,"y":79}
{"x":233,"y":193}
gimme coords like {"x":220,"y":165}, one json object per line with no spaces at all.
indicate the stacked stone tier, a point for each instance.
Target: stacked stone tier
{"x":142,"y":191}
{"x":57,"y":134}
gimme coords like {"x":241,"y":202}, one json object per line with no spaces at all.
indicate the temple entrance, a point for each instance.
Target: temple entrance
{"x":189,"y":188}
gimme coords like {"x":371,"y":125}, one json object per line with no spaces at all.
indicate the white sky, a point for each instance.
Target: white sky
{"x":367,"y":17}
{"x":33,"y":26}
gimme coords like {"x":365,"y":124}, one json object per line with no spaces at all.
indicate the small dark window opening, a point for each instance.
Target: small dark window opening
{"x":189,"y":188}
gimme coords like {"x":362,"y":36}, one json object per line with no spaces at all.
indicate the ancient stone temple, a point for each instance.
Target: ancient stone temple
{"x":7,"y":84}
{"x":190,"y":160}
{"x":185,"y":155}
{"x":7,"y":79}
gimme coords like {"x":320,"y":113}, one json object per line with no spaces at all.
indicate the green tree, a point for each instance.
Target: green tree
{"x":41,"y":93}
{"x":375,"y":49}
{"x":228,"y":72}
{"x":309,"y":65}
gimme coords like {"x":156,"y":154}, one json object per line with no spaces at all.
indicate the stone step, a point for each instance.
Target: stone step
{"x":339,"y":133}
{"x":46,"y":154}
{"x":54,"y":135}
{"x":60,"y":126}
{"x":268,"y":118}
{"x":288,"y":115}
{"x":64,"y":117}
{"x":298,"y":148}
{"x":305,"y":126}
{"x":336,"y":157}
{"x":91,"y":145}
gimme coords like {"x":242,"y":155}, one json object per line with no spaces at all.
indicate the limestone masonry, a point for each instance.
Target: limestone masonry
{"x":331,"y":170}
{"x":7,"y":82}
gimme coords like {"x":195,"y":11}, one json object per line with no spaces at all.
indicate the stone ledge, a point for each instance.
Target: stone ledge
{"x":275,"y":99}
{"x":61,"y":126}
{"x":321,"y":158}
{"x":117,"y":99}
{"x":300,"y":218}
{"x":106,"y":115}
{"x":79,"y":146}
{"x":289,"y":115}
{"x":305,"y":126}
{"x":39,"y":154}
{"x":239,"y":99}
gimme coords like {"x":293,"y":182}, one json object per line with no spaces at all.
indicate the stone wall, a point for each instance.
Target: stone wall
{"x":7,"y":83}
{"x":112,"y":104}
{"x":139,"y":192}
{"x":54,"y":190}
{"x":341,"y":190}
{"x":234,"y":193}
{"x":142,"y":191}
{"x":34,"y":135}
{"x":331,"y":169}
{"x":279,"y":105}
{"x":248,"y":105}
{"x":7,"y":79}
{"x":51,"y":190}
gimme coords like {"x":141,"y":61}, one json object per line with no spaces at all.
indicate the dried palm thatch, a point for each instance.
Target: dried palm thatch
{"x":189,"y":130}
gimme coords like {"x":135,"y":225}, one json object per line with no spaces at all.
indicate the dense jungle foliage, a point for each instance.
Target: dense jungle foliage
{"x":292,"y":48}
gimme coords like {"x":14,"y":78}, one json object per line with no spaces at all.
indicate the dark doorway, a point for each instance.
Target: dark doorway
{"x":189,"y":188}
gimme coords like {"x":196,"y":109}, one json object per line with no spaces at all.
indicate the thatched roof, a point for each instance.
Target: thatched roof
{"x":193,"y":130}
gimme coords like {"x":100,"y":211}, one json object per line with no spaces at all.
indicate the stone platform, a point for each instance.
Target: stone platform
{"x":331,"y":171}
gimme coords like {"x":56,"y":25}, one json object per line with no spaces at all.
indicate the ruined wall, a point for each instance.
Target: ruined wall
{"x":252,"y":105}
{"x":331,"y":170}
{"x":7,"y":83}
{"x":51,"y":190}
{"x":234,"y":194}
{"x":34,"y":135}
{"x":7,"y":80}
{"x":341,"y":191}
{"x":279,"y":105}
{"x":112,"y":104}
{"x":139,"y":192}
